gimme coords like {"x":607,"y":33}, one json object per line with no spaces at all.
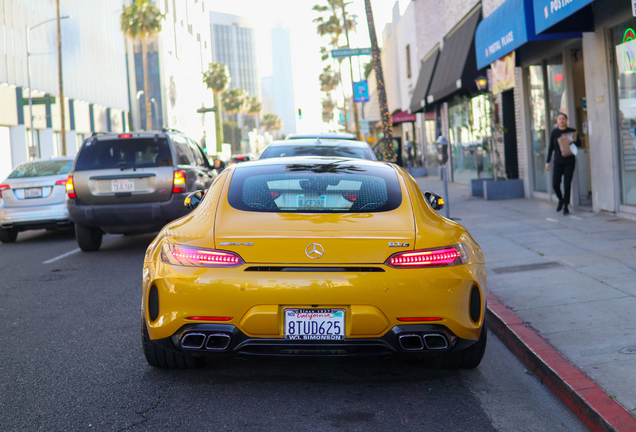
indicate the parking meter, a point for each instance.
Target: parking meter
{"x":442,"y":150}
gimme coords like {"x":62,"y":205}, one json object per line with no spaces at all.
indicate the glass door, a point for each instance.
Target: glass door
{"x":538,"y":127}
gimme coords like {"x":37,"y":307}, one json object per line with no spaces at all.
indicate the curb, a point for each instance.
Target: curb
{"x":583,"y":396}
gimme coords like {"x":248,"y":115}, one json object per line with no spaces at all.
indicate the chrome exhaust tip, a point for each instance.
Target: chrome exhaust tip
{"x":217,"y":341}
{"x":410,"y":342}
{"x":435,"y":341}
{"x":193,"y":340}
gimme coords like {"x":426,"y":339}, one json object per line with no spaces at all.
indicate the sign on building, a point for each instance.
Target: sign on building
{"x":503,"y":73}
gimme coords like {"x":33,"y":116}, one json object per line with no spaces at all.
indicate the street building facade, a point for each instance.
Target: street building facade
{"x":93,"y":73}
{"x":282,"y":80}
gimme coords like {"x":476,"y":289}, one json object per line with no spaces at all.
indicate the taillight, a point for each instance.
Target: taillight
{"x":438,"y":257}
{"x":4,"y":187}
{"x":179,"y":183}
{"x":209,"y":318}
{"x":124,"y":135}
{"x":61,"y":182}
{"x":70,"y":189}
{"x":199,"y":257}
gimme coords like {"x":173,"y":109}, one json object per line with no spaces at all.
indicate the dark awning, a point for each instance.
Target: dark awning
{"x":457,"y":65}
{"x":427,"y":68}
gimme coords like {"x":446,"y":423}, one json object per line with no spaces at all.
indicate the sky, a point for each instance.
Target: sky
{"x":306,"y":63}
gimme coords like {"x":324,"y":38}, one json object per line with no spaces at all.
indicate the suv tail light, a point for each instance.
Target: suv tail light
{"x":70,"y":189}
{"x":199,"y":257}
{"x":3,"y":187}
{"x":438,"y":257}
{"x":179,"y":183}
{"x":61,"y":182}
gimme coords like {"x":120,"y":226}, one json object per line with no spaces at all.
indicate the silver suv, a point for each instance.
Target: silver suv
{"x":133,"y":183}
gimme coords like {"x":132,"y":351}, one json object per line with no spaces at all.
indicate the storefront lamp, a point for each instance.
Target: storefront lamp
{"x":481,"y":82}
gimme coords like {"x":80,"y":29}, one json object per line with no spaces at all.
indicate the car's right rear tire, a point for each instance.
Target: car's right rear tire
{"x":8,"y":235}
{"x":468,"y":358}
{"x":89,"y":239}
{"x":161,"y":358}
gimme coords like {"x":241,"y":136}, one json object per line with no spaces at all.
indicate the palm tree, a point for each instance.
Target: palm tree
{"x":387,"y":126}
{"x":234,"y":102}
{"x":142,"y":20}
{"x":328,"y":107}
{"x":218,"y":79}
{"x":328,"y":80}
{"x":253,"y":108}
{"x":271,"y":122}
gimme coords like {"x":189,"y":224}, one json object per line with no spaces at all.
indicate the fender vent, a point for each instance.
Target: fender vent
{"x":475,"y":304}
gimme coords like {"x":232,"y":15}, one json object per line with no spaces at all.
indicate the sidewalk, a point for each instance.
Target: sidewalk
{"x":572,"y":281}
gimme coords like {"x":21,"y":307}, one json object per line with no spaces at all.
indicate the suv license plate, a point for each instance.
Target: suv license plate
{"x":314,"y":324}
{"x":33,"y":193}
{"x":123,"y":185}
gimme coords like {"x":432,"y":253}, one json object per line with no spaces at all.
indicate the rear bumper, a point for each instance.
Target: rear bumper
{"x":225,"y":340}
{"x":128,"y":218}
{"x":34,"y":217}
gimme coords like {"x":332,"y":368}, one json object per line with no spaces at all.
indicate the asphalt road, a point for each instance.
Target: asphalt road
{"x":71,"y":360}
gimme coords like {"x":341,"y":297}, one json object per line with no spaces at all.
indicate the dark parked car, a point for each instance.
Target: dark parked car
{"x":133,"y":183}
{"x":319,"y":147}
{"x":323,"y":136}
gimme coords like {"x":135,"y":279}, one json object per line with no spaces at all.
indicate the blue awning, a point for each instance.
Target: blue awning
{"x":550,"y":12}
{"x":506,"y":29}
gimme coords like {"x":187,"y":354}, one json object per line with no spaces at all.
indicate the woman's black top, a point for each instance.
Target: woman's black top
{"x":554,"y":146}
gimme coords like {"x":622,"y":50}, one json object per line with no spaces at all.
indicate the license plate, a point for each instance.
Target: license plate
{"x":313,"y":202}
{"x":33,"y":193}
{"x":123,"y":185}
{"x":314,"y":324}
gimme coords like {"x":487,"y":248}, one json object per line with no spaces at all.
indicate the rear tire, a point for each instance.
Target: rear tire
{"x":161,"y":358}
{"x":468,"y":358}
{"x":89,"y":239}
{"x":8,"y":235}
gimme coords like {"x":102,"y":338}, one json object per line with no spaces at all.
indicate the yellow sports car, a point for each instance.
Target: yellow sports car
{"x":313,"y":256}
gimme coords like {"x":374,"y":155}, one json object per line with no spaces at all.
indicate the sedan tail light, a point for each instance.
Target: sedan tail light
{"x":70,"y":189}
{"x":199,"y":257}
{"x":438,"y":257}
{"x":179,"y":183}
{"x":3,"y":187}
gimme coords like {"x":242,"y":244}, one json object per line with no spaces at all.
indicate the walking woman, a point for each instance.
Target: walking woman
{"x":563,"y":163}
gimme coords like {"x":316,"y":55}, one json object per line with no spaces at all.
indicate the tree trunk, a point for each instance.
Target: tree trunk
{"x":60,"y":81}
{"x":218,"y":123}
{"x":344,"y":96}
{"x":144,"y":55}
{"x":387,"y":127}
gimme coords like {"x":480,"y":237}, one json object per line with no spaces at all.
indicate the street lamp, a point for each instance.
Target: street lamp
{"x":481,"y":82}
{"x":28,"y":53}
{"x":154,"y":102}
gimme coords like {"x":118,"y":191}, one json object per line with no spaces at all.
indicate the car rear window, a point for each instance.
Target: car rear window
{"x":315,"y":150}
{"x":315,"y":188}
{"x":124,"y":152}
{"x":42,"y":169}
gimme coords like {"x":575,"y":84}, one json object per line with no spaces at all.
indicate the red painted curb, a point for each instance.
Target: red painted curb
{"x":583,"y":396}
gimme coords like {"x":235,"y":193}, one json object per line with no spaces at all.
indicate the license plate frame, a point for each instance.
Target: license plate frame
{"x":329,"y":321}
{"x":122,"y":185}
{"x":35,"y":192}
{"x":311,"y":203}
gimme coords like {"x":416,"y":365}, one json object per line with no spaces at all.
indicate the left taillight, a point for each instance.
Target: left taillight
{"x":3,"y":187}
{"x":437,"y":257}
{"x":199,"y":257}
{"x":179,"y":182}
{"x":70,"y":189}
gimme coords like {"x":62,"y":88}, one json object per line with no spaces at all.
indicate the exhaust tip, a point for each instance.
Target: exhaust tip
{"x":435,"y":341}
{"x":410,"y":342}
{"x":217,"y":341}
{"x":193,"y":340}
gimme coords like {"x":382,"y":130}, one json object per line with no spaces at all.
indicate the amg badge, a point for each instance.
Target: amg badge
{"x":398,"y":244}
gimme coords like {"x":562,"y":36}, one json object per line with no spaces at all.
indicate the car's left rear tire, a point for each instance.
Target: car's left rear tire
{"x":468,"y":358}
{"x":8,"y":235}
{"x":161,"y":358}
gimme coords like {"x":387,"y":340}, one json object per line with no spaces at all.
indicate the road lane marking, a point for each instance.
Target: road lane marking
{"x":62,"y":256}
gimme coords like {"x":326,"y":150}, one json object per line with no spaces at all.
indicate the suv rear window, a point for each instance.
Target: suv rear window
{"x":314,"y":150}
{"x":315,"y":188}
{"x":42,"y":169}
{"x":124,"y":152}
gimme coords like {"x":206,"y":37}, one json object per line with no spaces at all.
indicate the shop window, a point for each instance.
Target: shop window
{"x":538,"y":127}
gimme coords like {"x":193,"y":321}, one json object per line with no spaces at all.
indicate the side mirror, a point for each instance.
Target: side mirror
{"x":194,"y":199}
{"x":436,"y":202}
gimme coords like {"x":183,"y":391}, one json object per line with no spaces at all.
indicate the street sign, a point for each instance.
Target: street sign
{"x":45,"y":100}
{"x":364,"y":127}
{"x":350,"y":52}
{"x":361,"y":91}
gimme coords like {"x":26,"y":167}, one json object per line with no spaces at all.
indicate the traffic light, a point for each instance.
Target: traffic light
{"x":300,"y":114}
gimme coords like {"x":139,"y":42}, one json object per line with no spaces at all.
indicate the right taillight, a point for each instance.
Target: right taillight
{"x":70,"y":189}
{"x":437,"y":257}
{"x":179,"y":182}
{"x":3,"y":187}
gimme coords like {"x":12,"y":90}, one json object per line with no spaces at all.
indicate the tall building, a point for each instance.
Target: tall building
{"x":282,"y":80}
{"x":94,"y":76}
{"x":233,"y":44}
{"x":267,"y":92}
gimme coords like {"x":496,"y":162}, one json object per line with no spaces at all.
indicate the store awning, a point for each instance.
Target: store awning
{"x":402,"y":117}
{"x":456,"y":67}
{"x":510,"y":26}
{"x":549,"y":13}
{"x":427,"y":68}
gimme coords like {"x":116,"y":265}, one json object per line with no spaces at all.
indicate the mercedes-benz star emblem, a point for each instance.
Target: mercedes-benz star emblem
{"x":315,"y":251}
